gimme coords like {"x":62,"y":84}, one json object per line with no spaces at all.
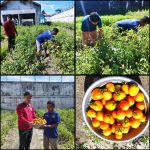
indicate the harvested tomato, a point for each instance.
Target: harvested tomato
{"x":140,"y":105}
{"x":120,"y":114}
{"x":110,"y":105}
{"x":135,"y":123}
{"x":143,"y":119}
{"x":118,"y":137}
{"x":133,"y":90}
{"x":107,"y":131}
{"x":124,"y":104}
{"x":97,"y":105}
{"x":107,"y":95}
{"x":137,"y":114}
{"x":91,"y":113}
{"x":125,"y":88}
{"x":103,"y":101}
{"x":108,"y":118}
{"x":118,"y":130}
{"x":117,"y":87}
{"x":126,"y":129}
{"x":120,"y":95}
{"x":103,"y":125}
{"x":95,"y":123}
{"x":126,"y":122}
{"x":131,"y":100}
{"x":114,"y":113}
{"x":99,"y":115}
{"x":139,"y":97}
{"x":128,"y":113}
{"x":97,"y":94}
{"x":112,"y":121}
{"x":110,"y":87}
{"x":113,"y":128}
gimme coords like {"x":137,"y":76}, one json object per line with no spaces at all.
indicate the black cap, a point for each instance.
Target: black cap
{"x":27,"y":94}
{"x":56,"y":30}
{"x":145,"y":19}
{"x":94,"y":16}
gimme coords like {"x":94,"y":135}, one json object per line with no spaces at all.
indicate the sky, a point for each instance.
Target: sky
{"x":50,"y":6}
{"x":38,"y":78}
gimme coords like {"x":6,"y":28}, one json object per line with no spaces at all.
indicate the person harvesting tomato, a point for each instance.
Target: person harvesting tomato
{"x":132,"y":24}
{"x":11,"y":32}
{"x":26,"y":114}
{"x":44,"y":37}
{"x":88,"y":27}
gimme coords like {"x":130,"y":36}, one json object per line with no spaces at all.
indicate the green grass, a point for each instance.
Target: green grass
{"x":118,"y":54}
{"x":23,"y":59}
{"x":66,"y":126}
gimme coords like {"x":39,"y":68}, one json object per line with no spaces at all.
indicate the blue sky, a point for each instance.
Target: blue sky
{"x":39,"y":78}
{"x":51,"y":6}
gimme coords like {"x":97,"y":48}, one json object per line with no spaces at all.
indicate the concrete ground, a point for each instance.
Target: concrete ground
{"x":87,"y":140}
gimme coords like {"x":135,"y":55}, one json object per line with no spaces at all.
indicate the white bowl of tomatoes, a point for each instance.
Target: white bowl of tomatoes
{"x":116,"y":109}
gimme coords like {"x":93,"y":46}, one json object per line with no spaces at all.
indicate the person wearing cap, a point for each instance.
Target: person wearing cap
{"x":10,"y":31}
{"x":50,"y":129}
{"x":132,"y":24}
{"x":44,"y":37}
{"x":88,"y":27}
{"x":26,"y":114}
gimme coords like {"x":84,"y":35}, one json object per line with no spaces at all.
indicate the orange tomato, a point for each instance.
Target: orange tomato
{"x":124,"y":105}
{"x":131,"y":100}
{"x":113,"y":128}
{"x":126,"y":122}
{"x":97,"y":94}
{"x":137,"y":114}
{"x":126,"y":130}
{"x":108,"y":117}
{"x":107,"y":95}
{"x":97,"y":105}
{"x":143,"y":119}
{"x":117,"y":87}
{"x":118,"y":137}
{"x":140,"y":105}
{"x":120,"y":95}
{"x":118,"y":130}
{"x":133,"y":90}
{"x":103,"y":101}
{"x":120,"y":114}
{"x":91,"y":113}
{"x":107,"y":131}
{"x":112,"y":121}
{"x":128,"y":113}
{"x":135,"y":123}
{"x":95,"y":123}
{"x":114,"y":113}
{"x":110,"y":87}
{"x":99,"y":115}
{"x":125,"y":88}
{"x":103,"y":125}
{"x":110,"y":105}
{"x":139,"y":97}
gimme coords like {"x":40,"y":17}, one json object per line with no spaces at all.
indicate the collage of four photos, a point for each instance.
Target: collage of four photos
{"x":74,"y":74}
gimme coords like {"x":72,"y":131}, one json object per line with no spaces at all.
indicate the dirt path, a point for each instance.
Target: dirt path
{"x":12,"y":140}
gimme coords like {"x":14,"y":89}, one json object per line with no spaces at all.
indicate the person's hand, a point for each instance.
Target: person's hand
{"x":31,"y":123}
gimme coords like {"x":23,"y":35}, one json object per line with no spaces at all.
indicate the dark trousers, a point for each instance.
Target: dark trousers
{"x":25,"y":137}
{"x":11,"y":42}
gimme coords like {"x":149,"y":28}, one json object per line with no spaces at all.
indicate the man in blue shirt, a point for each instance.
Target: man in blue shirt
{"x":132,"y":24}
{"x":89,"y":24}
{"x":50,"y":129}
{"x":44,"y":37}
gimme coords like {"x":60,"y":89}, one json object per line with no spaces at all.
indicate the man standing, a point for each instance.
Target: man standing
{"x":89,"y":24}
{"x":50,"y":129}
{"x":132,"y":24}
{"x":26,"y":114}
{"x":44,"y":37}
{"x":10,"y":31}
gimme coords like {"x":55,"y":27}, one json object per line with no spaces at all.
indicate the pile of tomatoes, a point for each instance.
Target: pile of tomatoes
{"x":116,"y":108}
{"x":39,"y":121}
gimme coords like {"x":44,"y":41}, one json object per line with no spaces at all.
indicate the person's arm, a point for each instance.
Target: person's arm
{"x":15,"y":28}
{"x":100,"y":32}
{"x":21,"y":117}
{"x":50,"y":126}
{"x":5,"y":29}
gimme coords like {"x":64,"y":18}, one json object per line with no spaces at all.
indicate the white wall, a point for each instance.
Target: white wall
{"x":66,"y":16}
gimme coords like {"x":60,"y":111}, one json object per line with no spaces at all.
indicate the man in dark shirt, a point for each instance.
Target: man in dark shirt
{"x":50,"y":129}
{"x":10,"y":31}
{"x":26,"y":114}
{"x":88,"y":27}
